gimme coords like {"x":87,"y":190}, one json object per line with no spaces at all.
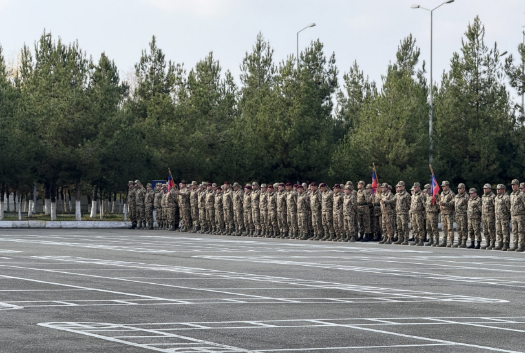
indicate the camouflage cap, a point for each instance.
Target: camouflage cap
{"x":390,"y":186}
{"x":236,"y":184}
{"x":255,"y":183}
{"x":500,"y":186}
{"x":347,"y":187}
{"x":368,"y":186}
{"x":214,"y":185}
{"x":276,"y":185}
{"x":445,"y":183}
{"x":263,"y":185}
{"x":304,"y":185}
{"x":412,"y":188}
{"x":137,"y":181}
{"x":202,"y":185}
{"x":522,"y":185}
{"x":148,"y":185}
{"x":416,"y":185}
{"x":461,"y":186}
{"x":349,"y":183}
{"x":130,"y":182}
{"x":384,"y":185}
{"x":487,"y":186}
{"x":401,"y":183}
{"x":515,"y":182}
{"x":361,"y":182}
{"x":427,"y":186}
{"x":472,"y":191}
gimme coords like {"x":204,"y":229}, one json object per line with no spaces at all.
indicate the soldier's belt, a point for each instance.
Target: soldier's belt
{"x":362,"y":203}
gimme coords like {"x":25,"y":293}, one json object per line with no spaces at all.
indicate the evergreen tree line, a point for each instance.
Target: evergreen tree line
{"x":70,"y":122}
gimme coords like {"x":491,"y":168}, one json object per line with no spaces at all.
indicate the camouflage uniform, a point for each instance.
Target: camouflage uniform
{"x":166,"y":209}
{"x":256,"y":212}
{"x":349,"y":211}
{"x":158,"y":207}
{"x":474,"y":209}
{"x":376,"y":224}
{"x":247,"y":206}
{"x":227,"y":209}
{"x":517,"y":213}
{"x":315,"y":209}
{"x":402,"y":208}
{"x":303,"y":209}
{"x":132,"y":206}
{"x":338,"y":216}
{"x":273,"y":228}
{"x":432,"y":219}
{"x":210,"y":211}
{"x":219,"y":214}
{"x":327,"y":203}
{"x":461,"y":205}
{"x":141,"y":208}
{"x":291,"y":216}
{"x":184,"y":202}
{"x":388,"y":215}
{"x":281,"y":213}
{"x":417,"y":206}
{"x":447,"y":216}
{"x":263,"y":211}
{"x":148,"y":202}
{"x":238,"y":197}
{"x":488,"y":217}
{"x":502,"y":206}
{"x":194,"y":205}
{"x":201,"y":204}
{"x":172,"y":215}
{"x":363,"y":212}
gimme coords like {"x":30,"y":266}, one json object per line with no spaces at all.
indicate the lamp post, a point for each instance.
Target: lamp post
{"x":310,"y":25}
{"x":431,"y":82}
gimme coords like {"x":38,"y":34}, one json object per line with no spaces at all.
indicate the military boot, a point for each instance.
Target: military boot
{"x":359,"y":236}
{"x":172,"y":228}
{"x":365,"y":238}
{"x":405,"y":241}
{"x":387,"y":240}
{"x":505,"y":246}
{"x":430,"y":242}
{"x":351,"y":239}
{"x":499,"y":247}
{"x":377,"y":237}
{"x":471,"y":246}
{"x":305,"y":236}
{"x":346,"y":238}
{"x":520,"y":248}
{"x":487,"y":245}
{"x":463,"y":244}
{"x":150,"y":226}
{"x":132,"y":226}
{"x":492,"y":244}
{"x":399,"y":240}
{"x":514,"y":247}
{"x":478,"y":245}
{"x":421,"y":242}
{"x":383,"y":240}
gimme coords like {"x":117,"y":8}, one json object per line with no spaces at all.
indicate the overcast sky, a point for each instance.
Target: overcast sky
{"x":366,"y":31}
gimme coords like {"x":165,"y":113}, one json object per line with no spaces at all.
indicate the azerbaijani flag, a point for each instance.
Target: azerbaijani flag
{"x":170,"y":182}
{"x":374,"y":182}
{"x":434,"y":189}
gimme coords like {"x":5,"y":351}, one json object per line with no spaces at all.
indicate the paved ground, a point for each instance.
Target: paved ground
{"x":134,"y":291}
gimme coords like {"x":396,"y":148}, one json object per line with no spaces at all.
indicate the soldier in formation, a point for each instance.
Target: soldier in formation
{"x":340,"y":213}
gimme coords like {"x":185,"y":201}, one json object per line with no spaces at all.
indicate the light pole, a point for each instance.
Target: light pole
{"x":310,"y":25}
{"x":431,"y":82}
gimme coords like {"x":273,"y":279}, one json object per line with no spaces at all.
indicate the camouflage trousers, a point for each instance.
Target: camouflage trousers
{"x":339,"y":225}
{"x":432,"y":226}
{"x":141,"y":213}
{"x":228,"y":219}
{"x":402,"y":226}
{"x":281,"y":221}
{"x":317,"y":222}
{"x":219,"y":219}
{"x":256,"y":218}
{"x":328,"y":222}
{"x":502,"y":230}
{"x":238,"y":219}
{"x":489,"y":229}
{"x":185,"y":217}
{"x":172,"y":217}
{"x":210,"y":218}
{"x":272,"y":223}
{"x":158,"y":215}
{"x":375,"y":224}
{"x":163,"y":216}
{"x":449,"y":220}
{"x":363,"y":218}
{"x":302,"y":222}
{"x":202,"y":218}
{"x":390,"y":218}
{"x":194,"y":216}
{"x":474,"y":228}
{"x":310,"y":224}
{"x":264,"y":219}
{"x":149,"y":215}
{"x":292,"y":221}
{"x":248,"y":221}
{"x":132,"y":214}
{"x":418,"y":225}
{"x":349,"y":224}
{"x":462,"y":226}
{"x":518,"y":229}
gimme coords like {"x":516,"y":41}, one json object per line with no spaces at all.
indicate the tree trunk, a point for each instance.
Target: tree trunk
{"x":30,"y":209}
{"x":94,"y":203}
{"x":78,"y":210}
{"x":47,"y":198}
{"x":17,"y":198}
{"x":2,"y":201}
{"x":53,"y":201}
{"x":101,"y":203}
{"x":69,"y":199}
{"x":125,"y":207}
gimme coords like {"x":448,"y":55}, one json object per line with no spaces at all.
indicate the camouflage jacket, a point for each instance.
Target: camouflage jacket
{"x":363,"y":198}
{"x":389,"y":202}
{"x":291,"y":201}
{"x":315,"y":201}
{"x":218,"y":202}
{"x":417,"y":202}
{"x":238,"y":198}
{"x":158,"y":199}
{"x":149,"y":198}
{"x":272,"y":201}
{"x":194,"y":198}
{"x":461,"y":203}
{"x":303,"y":202}
{"x":263,"y":201}
{"x":247,"y":202}
{"x":227,"y":200}
{"x":184,"y":198}
{"x":429,"y":207}
{"x":349,"y":204}
{"x":502,"y":206}
{"x":338,"y":202}
{"x":201,"y":199}
{"x":172,"y":198}
{"x":376,"y":201}
{"x":402,"y":202}
{"x":281,"y":201}
{"x":164,"y":201}
{"x":474,"y":207}
{"x":132,"y":197}
{"x":140,"y":193}
{"x":448,"y":203}
{"x":517,"y":203}
{"x":327,"y":201}
{"x":210,"y":199}
{"x":488,"y":209}
{"x":255,"y":199}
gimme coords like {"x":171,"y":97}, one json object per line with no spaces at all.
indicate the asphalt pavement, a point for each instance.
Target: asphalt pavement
{"x":102,"y":290}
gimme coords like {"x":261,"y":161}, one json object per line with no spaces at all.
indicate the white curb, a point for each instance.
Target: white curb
{"x":63,"y":224}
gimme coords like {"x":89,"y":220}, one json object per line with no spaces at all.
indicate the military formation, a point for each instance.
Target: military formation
{"x":320,"y":213}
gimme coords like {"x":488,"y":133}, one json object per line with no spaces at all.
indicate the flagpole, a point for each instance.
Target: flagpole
{"x":441,"y":207}
{"x":382,"y":205}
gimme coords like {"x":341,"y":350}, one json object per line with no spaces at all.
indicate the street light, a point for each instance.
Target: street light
{"x":431,"y":82}
{"x":310,"y":25}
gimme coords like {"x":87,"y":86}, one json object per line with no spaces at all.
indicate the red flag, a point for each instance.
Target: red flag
{"x":374,"y":182}
{"x":170,"y":182}
{"x":434,"y":188}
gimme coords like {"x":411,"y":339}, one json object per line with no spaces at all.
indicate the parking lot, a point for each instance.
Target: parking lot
{"x":138,"y":291}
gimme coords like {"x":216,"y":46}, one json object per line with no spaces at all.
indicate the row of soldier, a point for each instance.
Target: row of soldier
{"x":315,"y":212}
